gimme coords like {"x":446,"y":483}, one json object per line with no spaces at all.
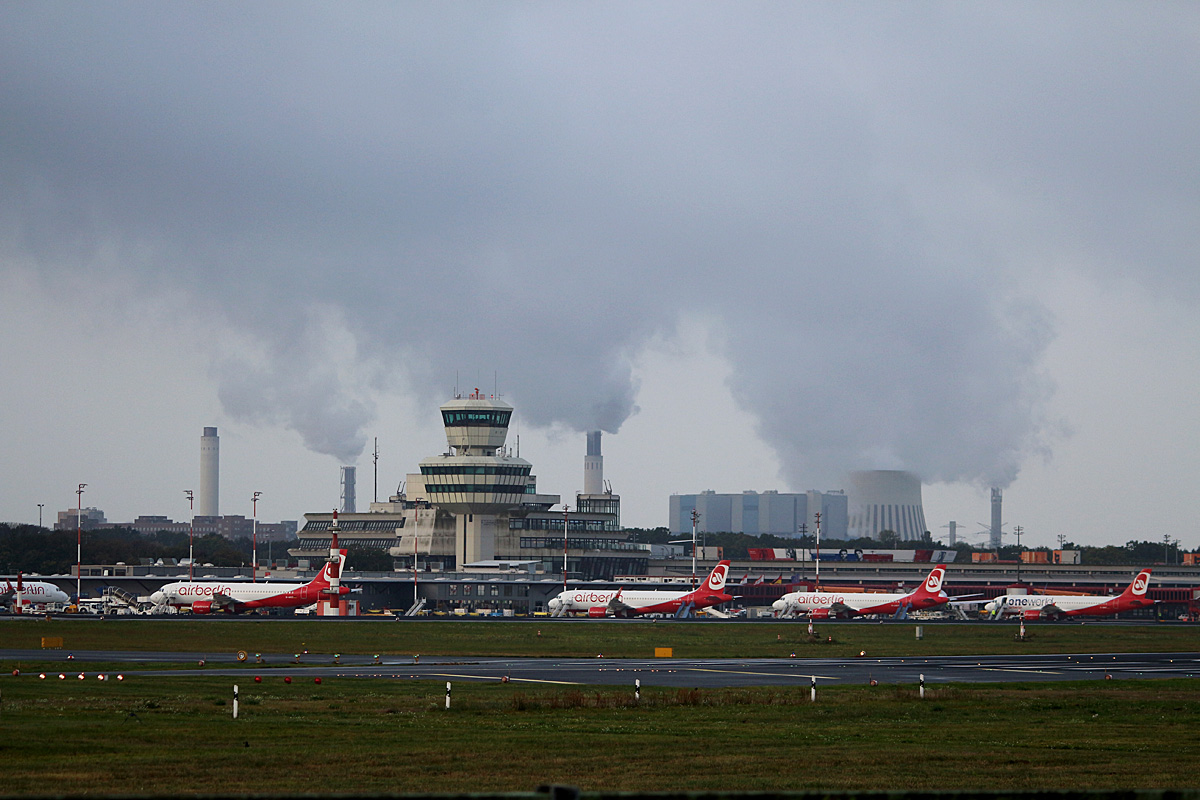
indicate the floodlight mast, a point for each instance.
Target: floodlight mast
{"x":566,"y":509}
{"x":254,"y":537}
{"x":817,"y":588}
{"x":191,"y":532}
{"x":79,"y":543}
{"x":802,"y":531}
{"x":1017,"y":531}
{"x":695,"y":519}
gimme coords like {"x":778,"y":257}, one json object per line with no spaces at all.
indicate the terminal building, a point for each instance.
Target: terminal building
{"x":229,"y":526}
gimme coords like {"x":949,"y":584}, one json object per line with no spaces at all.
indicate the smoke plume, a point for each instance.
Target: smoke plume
{"x":366,"y":192}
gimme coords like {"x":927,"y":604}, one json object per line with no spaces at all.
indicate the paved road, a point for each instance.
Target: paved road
{"x":653,"y":672}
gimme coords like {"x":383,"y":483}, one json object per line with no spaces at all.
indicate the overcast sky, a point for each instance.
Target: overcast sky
{"x":758,"y":244}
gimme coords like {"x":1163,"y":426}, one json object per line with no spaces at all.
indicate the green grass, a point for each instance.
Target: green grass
{"x":176,"y":736}
{"x":586,"y":639}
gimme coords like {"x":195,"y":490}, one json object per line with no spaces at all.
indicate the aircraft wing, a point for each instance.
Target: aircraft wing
{"x":223,"y":602}
{"x":842,"y":610}
{"x":618,"y":608}
{"x":1052,"y":611}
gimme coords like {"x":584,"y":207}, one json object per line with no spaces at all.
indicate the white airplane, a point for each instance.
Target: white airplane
{"x":1056,"y":606}
{"x":206,"y":597}
{"x":28,"y":595}
{"x":632,"y":603}
{"x":832,"y":605}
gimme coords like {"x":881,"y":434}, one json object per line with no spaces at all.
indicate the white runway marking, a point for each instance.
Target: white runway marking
{"x":499,"y":677}
{"x":806,"y":676}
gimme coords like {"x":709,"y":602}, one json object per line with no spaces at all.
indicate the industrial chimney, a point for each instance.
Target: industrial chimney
{"x":348,"y":490}
{"x":593,"y":465}
{"x":994,"y":537}
{"x":210,"y":457}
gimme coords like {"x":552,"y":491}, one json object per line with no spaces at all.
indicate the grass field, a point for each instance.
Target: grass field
{"x":587,"y":638}
{"x":176,"y":736}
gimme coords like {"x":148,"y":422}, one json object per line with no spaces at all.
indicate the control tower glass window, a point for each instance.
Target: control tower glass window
{"x":475,"y":469}
{"x":497,"y":418}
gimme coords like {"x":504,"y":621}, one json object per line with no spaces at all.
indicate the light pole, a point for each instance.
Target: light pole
{"x":40,"y":506}
{"x":79,"y":543}
{"x":1017,"y":531}
{"x":801,"y":532}
{"x":817,"y":557}
{"x":191,"y":531}
{"x":254,"y":537}
{"x":566,"y":508}
{"x":695,"y":519}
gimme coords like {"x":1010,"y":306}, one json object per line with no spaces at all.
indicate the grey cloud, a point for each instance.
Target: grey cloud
{"x":534,"y":191}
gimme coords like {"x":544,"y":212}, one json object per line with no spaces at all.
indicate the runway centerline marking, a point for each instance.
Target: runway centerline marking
{"x":767,"y":674}
{"x":499,"y":677}
{"x":1014,"y":669}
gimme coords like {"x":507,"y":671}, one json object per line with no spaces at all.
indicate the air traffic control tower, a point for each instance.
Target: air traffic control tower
{"x":477,"y":480}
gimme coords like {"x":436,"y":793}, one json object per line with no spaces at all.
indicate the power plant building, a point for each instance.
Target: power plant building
{"x":756,"y":514}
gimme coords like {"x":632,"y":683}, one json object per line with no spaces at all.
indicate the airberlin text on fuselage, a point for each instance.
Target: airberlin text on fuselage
{"x":28,"y":590}
{"x":592,"y":597}
{"x":821,"y":599}
{"x":198,"y":590}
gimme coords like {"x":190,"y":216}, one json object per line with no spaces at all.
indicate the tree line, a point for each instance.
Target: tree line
{"x":28,"y":548}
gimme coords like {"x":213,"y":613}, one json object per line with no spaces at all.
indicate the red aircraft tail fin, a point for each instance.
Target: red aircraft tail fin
{"x":932,"y":585}
{"x":716,"y":578}
{"x":1137,"y":588}
{"x":322,"y":580}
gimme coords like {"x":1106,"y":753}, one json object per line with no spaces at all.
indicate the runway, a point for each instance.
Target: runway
{"x":666,"y":672}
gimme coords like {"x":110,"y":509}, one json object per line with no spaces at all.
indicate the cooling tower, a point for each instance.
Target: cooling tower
{"x":885,"y":500}
{"x":208,"y":502}
{"x":593,"y":465}
{"x":348,"y":478}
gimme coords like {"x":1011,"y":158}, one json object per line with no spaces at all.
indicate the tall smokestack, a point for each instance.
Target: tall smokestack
{"x":593,"y":465}
{"x":348,"y":490}
{"x":209,"y":501}
{"x":997,"y":502}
